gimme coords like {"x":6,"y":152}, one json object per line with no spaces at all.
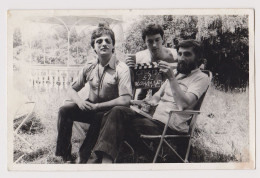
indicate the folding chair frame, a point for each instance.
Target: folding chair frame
{"x":15,"y":132}
{"x":164,"y":136}
{"x":190,"y":133}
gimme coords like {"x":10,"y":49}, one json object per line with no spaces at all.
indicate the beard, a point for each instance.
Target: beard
{"x":185,"y":68}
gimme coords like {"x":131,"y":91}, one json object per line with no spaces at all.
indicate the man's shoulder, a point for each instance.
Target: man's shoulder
{"x":172,"y":52}
{"x":143,"y":56}
{"x":201,"y":76}
{"x":90,"y":64}
{"x":121,"y":66}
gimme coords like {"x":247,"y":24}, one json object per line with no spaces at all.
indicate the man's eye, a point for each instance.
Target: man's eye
{"x":179,"y":54}
{"x":108,"y":41}
{"x":187,"y":54}
{"x":99,"y":41}
{"x":150,"y":41}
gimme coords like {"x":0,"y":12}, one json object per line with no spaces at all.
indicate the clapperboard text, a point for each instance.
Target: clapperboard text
{"x":147,"y":75}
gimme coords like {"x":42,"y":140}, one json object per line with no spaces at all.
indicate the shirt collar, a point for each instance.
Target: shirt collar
{"x":111,"y":63}
{"x":194,"y":71}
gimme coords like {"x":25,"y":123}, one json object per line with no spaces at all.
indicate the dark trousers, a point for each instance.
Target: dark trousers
{"x":121,"y":123}
{"x":66,"y":116}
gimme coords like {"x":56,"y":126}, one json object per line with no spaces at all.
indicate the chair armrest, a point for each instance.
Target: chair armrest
{"x":139,"y":111}
{"x":185,"y":112}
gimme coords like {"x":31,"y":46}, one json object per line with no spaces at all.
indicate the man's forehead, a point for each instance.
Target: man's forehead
{"x":153,"y":36}
{"x":185,"y":49}
{"x":105,"y":36}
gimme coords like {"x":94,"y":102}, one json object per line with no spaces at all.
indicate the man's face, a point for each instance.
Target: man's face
{"x":103,"y":45}
{"x":154,"y":43}
{"x":186,"y":60}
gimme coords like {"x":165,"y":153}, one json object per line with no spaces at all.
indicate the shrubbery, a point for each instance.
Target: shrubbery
{"x":224,"y":38}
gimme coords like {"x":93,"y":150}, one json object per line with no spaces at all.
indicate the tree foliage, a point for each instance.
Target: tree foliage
{"x":224,"y":38}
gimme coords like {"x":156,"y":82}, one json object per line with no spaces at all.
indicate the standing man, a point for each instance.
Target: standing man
{"x":179,"y":92}
{"x":152,"y":35}
{"x":110,"y":85}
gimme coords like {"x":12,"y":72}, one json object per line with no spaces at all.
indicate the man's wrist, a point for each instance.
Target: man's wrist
{"x":97,"y":106}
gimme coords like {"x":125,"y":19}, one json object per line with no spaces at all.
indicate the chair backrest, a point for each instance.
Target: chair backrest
{"x":198,"y":104}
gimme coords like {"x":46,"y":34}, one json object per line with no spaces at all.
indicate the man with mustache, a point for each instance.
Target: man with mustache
{"x":180,"y":91}
{"x":152,"y":35}
{"x":110,"y":85}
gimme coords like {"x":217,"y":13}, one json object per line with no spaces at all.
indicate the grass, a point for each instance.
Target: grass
{"x":221,"y":134}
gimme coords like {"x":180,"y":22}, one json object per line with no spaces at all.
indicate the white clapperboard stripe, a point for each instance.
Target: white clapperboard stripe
{"x":151,"y":65}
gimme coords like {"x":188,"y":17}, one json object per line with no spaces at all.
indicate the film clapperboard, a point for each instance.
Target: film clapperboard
{"x":147,"y":76}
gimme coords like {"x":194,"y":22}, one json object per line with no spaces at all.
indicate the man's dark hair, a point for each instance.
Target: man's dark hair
{"x":152,"y":29}
{"x":102,"y":29}
{"x":196,"y":47}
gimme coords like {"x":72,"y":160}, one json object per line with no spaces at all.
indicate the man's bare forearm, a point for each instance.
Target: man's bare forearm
{"x":73,"y":94}
{"x":183,"y":101}
{"x":120,"y":101}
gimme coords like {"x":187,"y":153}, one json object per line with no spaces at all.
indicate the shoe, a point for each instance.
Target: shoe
{"x":69,"y":159}
{"x":94,"y":159}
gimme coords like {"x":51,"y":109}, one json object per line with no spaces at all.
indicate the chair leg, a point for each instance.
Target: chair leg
{"x":162,"y":139}
{"x":188,"y":151}
{"x":158,"y":150}
{"x":174,"y":151}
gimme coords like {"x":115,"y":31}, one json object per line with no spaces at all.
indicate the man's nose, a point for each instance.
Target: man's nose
{"x":181,"y":58}
{"x":104,"y":42}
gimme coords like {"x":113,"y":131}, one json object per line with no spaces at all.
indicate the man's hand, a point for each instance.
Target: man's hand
{"x":167,"y":69}
{"x":84,"y":105}
{"x":151,"y":102}
{"x":130,"y":60}
{"x":93,"y":106}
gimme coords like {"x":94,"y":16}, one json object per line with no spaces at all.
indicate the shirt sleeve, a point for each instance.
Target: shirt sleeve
{"x":82,"y":77}
{"x":124,"y":77}
{"x":199,"y":85}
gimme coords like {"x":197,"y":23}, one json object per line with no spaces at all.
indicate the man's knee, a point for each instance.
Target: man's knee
{"x":120,"y":110}
{"x":66,"y":109}
{"x":63,"y":114}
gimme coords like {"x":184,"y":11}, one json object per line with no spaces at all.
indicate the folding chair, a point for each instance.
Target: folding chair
{"x":194,"y":113}
{"x":27,"y":116}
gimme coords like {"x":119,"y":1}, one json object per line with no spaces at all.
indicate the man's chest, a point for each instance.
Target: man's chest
{"x":103,"y":78}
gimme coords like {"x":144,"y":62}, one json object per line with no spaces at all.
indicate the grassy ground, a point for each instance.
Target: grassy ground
{"x":221,"y":134}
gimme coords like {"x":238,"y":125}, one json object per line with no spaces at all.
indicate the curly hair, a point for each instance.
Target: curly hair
{"x":196,"y":47}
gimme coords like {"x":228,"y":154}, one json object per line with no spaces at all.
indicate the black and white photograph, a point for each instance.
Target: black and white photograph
{"x":131,"y":89}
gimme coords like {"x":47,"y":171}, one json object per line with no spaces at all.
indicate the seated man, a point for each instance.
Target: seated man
{"x":180,"y":91}
{"x":152,"y":35}
{"x":110,"y":85}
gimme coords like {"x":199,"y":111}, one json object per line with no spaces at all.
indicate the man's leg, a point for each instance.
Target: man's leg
{"x":66,"y":116}
{"x":145,"y":126}
{"x":91,"y":138}
{"x":114,"y":126}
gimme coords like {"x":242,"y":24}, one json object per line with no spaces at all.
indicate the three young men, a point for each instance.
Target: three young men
{"x":110,"y":87}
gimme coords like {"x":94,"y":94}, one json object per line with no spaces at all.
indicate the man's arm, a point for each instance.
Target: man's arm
{"x":183,"y":100}
{"x":120,"y":101}
{"x":78,"y":84}
{"x":157,"y":96}
{"x":73,"y":94}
